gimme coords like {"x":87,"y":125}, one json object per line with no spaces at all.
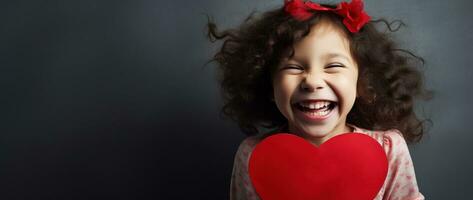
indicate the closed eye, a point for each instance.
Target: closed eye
{"x":293,"y":67}
{"x":335,"y":65}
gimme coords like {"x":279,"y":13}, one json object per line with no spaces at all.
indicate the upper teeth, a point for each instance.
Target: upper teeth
{"x":315,"y":105}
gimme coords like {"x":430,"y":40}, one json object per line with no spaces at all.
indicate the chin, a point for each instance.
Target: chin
{"x":317,"y":131}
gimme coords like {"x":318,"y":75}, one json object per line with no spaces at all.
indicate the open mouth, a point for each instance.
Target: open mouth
{"x":317,"y":109}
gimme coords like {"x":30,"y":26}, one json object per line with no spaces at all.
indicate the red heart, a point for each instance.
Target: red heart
{"x":348,"y":166}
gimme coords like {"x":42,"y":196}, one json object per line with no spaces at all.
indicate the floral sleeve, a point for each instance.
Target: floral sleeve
{"x":400,"y":183}
{"x":240,"y":185}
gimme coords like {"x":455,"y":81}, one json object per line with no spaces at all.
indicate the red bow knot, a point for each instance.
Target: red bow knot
{"x":354,"y":17}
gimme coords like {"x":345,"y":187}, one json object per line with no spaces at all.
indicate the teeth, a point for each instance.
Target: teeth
{"x":315,"y":105}
{"x":319,"y":113}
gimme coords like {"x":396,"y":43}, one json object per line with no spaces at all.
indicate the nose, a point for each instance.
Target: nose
{"x":312,"y":82}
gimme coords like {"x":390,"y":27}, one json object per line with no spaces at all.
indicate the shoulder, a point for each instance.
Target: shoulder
{"x":394,"y":144}
{"x":246,"y":147}
{"x":391,"y":140}
{"x":394,"y":140}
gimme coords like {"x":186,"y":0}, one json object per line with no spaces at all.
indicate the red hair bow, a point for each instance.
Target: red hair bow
{"x":354,"y":17}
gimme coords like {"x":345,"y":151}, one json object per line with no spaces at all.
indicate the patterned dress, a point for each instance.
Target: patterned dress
{"x":400,"y":183}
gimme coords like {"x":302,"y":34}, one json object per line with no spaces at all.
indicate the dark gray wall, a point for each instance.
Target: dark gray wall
{"x":108,"y":98}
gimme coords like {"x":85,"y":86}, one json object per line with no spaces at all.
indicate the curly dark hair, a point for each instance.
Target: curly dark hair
{"x":389,"y":78}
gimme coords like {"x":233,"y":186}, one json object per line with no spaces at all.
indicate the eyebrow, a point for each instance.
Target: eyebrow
{"x":333,"y":55}
{"x":326,"y":56}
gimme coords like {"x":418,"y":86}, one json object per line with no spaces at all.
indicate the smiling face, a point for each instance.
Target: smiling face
{"x":316,"y":88}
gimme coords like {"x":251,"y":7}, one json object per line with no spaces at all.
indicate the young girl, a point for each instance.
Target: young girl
{"x":317,"y":71}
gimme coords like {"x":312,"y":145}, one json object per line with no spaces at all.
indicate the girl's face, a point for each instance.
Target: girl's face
{"x":316,"y":88}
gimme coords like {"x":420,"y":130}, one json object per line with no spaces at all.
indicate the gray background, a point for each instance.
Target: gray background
{"x":109,"y":98}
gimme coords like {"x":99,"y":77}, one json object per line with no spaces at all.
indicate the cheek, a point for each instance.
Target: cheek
{"x":347,"y":87}
{"x":284,"y":88}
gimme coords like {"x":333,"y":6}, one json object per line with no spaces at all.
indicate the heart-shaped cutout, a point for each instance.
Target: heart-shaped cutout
{"x":348,"y":166}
